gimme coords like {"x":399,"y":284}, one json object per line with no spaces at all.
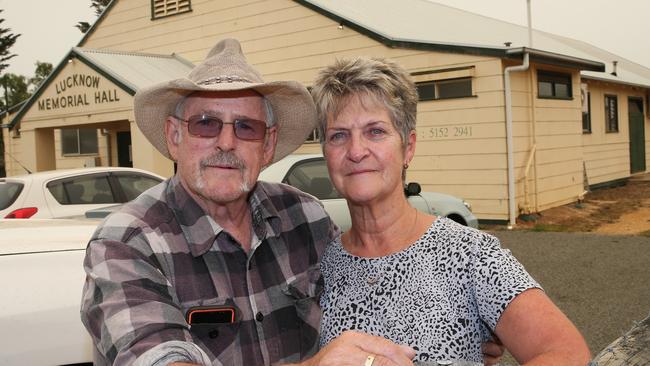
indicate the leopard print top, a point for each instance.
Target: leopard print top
{"x":442,"y":295}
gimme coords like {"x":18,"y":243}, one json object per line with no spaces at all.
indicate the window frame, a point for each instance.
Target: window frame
{"x":78,"y":137}
{"x":166,"y":3}
{"x":586,"y":117}
{"x":608,"y":114}
{"x":555,"y":78}
{"x":435,"y":84}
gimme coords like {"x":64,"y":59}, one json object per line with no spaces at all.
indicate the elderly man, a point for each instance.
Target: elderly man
{"x":212,"y":266}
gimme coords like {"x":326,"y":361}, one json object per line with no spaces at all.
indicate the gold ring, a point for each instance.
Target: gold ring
{"x":369,"y":360}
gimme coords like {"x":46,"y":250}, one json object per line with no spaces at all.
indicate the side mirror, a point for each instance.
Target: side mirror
{"x":412,"y":189}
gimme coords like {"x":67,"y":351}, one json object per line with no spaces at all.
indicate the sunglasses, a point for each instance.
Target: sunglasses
{"x":203,"y":125}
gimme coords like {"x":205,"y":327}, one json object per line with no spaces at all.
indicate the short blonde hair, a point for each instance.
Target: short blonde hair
{"x":382,"y":80}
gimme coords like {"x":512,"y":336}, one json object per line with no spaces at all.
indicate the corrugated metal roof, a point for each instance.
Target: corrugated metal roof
{"x":135,"y":70}
{"x":425,"y":22}
{"x":129,"y":70}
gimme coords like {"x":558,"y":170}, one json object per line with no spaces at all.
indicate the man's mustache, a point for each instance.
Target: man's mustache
{"x":222,"y":158}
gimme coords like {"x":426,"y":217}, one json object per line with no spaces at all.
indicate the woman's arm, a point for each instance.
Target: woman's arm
{"x":536,"y":332}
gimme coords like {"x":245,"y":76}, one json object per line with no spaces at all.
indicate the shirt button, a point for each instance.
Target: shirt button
{"x":213,"y":334}
{"x":259,"y":316}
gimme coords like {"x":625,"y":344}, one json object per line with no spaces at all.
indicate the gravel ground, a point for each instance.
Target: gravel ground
{"x":601,"y":282}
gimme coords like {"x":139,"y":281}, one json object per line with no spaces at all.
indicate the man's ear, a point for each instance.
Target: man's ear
{"x":173,"y":136}
{"x":269,"y":145}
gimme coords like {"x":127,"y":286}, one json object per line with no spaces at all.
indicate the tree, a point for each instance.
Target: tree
{"x":15,"y":90}
{"x":7,"y":40}
{"x":43,"y":70}
{"x":99,"y":6}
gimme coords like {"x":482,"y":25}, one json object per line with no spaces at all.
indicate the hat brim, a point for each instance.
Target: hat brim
{"x":293,"y":108}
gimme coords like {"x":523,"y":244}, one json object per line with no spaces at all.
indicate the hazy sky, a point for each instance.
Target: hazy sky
{"x":621,"y":26}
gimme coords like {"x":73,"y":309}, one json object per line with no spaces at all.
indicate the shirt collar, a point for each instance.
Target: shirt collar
{"x":200,"y":230}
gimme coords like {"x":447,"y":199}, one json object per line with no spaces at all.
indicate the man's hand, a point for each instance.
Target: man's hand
{"x":492,"y":351}
{"x":353,"y":348}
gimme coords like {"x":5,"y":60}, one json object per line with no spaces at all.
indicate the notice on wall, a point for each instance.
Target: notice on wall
{"x":79,"y":90}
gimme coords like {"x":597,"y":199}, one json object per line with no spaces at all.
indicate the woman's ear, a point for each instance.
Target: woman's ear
{"x":410,"y":146}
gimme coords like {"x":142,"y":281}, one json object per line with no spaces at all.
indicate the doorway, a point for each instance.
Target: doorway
{"x":637,"y":135}
{"x":124,"y":155}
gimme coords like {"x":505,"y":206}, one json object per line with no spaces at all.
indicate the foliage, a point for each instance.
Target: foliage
{"x":43,"y":70}
{"x":99,"y":6}
{"x":7,"y":40}
{"x":14,"y":88}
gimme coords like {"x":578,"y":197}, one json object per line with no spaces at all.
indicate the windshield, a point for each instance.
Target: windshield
{"x":9,"y":191}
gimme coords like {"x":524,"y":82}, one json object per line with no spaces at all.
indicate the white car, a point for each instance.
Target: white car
{"x":308,"y":172}
{"x":41,"y":277}
{"x":71,"y":192}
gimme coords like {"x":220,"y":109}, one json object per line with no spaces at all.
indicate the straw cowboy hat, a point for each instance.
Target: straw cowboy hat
{"x":225,"y":68}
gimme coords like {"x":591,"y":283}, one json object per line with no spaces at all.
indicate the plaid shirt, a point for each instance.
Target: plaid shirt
{"x":161,"y":255}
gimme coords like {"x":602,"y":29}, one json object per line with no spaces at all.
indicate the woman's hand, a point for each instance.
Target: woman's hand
{"x":352,"y":348}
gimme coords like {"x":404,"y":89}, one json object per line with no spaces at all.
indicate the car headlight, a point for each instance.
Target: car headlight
{"x":469,"y":207}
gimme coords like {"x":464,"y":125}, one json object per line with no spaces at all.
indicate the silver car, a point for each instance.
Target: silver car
{"x":308,"y":172}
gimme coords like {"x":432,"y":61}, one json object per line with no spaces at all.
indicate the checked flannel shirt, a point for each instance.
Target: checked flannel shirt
{"x":161,"y":255}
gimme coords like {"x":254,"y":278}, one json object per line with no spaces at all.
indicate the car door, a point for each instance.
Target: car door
{"x":129,"y":185}
{"x":311,"y":176}
{"x":73,"y":196}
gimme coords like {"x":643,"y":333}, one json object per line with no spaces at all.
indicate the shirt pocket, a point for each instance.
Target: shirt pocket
{"x":214,"y":327}
{"x":305,"y":290}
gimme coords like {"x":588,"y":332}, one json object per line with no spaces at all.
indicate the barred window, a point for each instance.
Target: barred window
{"x":164,"y":8}
{"x":611,"y":113}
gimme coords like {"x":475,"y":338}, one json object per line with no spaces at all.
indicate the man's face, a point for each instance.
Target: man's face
{"x":223,"y":168}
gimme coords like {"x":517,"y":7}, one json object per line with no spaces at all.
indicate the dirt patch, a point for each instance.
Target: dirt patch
{"x":623,"y":210}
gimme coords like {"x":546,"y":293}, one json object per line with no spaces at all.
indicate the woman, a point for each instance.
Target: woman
{"x":414,"y":278}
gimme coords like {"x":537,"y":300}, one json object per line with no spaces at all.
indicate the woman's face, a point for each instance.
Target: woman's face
{"x":364,"y":151}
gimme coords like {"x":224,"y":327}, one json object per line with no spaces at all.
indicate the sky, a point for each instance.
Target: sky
{"x":619,"y":26}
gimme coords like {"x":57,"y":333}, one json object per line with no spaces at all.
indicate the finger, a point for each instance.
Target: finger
{"x":385,"y":361}
{"x":492,"y":349}
{"x":398,"y":354}
{"x":491,"y":361}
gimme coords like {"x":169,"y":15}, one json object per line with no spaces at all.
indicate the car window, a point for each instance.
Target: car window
{"x":311,"y":176}
{"x":93,"y":189}
{"x":133,"y":185}
{"x":9,"y":191}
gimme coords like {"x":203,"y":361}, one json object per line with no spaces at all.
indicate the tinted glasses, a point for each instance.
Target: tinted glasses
{"x":203,"y":125}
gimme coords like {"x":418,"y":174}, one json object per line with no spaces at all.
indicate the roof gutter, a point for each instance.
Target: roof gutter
{"x":555,"y":58}
{"x":512,"y":198}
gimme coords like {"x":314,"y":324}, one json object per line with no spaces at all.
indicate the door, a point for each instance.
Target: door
{"x":124,"y":157}
{"x":637,"y":135}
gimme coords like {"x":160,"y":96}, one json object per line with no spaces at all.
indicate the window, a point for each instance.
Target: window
{"x":164,"y":8}
{"x":311,"y":176}
{"x":611,"y":113}
{"x":9,"y":191}
{"x":79,"y":141}
{"x":586,"y":116}
{"x":444,"y":89}
{"x":553,"y":85}
{"x":82,"y":190}
{"x":132,"y":185}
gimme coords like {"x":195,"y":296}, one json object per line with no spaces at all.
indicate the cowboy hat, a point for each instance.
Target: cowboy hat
{"x":225,"y":69}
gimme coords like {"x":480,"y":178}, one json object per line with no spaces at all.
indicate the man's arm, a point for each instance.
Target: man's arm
{"x":536,"y":332}
{"x":128,"y":305}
